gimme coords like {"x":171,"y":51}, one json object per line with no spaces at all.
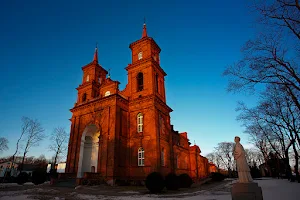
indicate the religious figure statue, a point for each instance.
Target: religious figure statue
{"x":241,"y":162}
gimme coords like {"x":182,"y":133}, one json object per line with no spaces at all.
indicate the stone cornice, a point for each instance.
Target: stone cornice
{"x":163,"y":104}
{"x":94,"y":64}
{"x":98,"y":101}
{"x":86,"y":84}
{"x":145,"y":60}
{"x":145,"y":39}
{"x":141,"y":99}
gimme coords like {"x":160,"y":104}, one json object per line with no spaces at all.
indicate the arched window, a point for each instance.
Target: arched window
{"x":84,"y":97}
{"x":140,"y":81}
{"x":87,"y":78}
{"x":140,"y":123}
{"x":107,"y":93}
{"x":141,"y":157}
{"x":99,"y":80}
{"x":140,"y":55}
{"x":162,"y":157}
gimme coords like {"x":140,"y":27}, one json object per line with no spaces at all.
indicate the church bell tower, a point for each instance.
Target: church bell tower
{"x":145,"y":75}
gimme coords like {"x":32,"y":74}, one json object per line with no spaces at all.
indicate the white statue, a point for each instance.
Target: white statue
{"x":241,"y":162}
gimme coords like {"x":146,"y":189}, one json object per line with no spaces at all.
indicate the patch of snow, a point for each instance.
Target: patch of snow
{"x":130,"y":192}
{"x":89,"y":197}
{"x":19,"y":197}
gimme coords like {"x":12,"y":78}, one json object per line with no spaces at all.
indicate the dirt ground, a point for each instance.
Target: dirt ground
{"x":48,"y":192}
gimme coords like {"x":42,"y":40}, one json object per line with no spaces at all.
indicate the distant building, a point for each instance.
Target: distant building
{"x":8,"y":166}
{"x":61,"y":167}
{"x":128,"y":134}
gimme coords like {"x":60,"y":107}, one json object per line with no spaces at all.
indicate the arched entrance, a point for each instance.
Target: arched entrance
{"x":88,"y":157}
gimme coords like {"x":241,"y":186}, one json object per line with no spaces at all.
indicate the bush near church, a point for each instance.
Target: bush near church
{"x":172,"y":182}
{"x":155,"y":182}
{"x":185,"y":181}
{"x":215,"y":176}
{"x":39,"y":176}
{"x":22,"y":178}
{"x":255,"y":172}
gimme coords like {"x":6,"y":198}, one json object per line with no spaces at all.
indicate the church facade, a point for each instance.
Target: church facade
{"x":125,"y":135}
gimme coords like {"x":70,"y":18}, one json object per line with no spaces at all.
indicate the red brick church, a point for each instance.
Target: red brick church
{"x":125,"y":135}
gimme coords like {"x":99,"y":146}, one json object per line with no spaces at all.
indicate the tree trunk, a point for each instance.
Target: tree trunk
{"x":23,"y":159}
{"x":296,"y":161}
{"x":287,"y":164}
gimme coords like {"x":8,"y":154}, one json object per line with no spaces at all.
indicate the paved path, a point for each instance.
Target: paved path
{"x":273,"y":189}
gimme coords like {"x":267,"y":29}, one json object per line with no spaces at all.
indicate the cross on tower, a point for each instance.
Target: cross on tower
{"x":108,"y":73}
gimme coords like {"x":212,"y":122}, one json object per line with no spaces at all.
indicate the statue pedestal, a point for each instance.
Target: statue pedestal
{"x":246,"y":191}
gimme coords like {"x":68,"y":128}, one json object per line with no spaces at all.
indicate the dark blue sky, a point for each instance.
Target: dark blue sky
{"x":44,"y":44}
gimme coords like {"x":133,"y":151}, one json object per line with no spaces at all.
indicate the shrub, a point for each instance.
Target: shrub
{"x":215,"y":176}
{"x":39,"y":176}
{"x":85,"y":182}
{"x":185,"y":181}
{"x":255,"y":172}
{"x":22,"y":178}
{"x":172,"y":182}
{"x":155,"y":182}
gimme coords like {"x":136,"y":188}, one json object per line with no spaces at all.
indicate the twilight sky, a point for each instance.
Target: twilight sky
{"x":44,"y":44}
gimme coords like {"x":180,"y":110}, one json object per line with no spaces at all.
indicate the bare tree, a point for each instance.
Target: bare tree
{"x":284,"y":14}
{"x":273,"y":124}
{"x":270,"y":59}
{"x":24,"y":129}
{"x":254,"y":157}
{"x":59,"y":139}
{"x":224,"y":154}
{"x":214,"y":158}
{"x":33,"y":135}
{"x":3,"y":144}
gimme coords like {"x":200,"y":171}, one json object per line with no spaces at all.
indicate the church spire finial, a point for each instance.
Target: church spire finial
{"x":96,"y":54}
{"x":108,"y":73}
{"x":144,"y":29}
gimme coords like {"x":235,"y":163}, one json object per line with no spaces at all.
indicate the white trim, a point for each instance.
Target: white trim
{"x":140,"y":123}
{"x":91,"y":131}
{"x":141,"y":157}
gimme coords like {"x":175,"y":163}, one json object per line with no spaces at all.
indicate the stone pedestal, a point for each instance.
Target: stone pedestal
{"x":246,"y":191}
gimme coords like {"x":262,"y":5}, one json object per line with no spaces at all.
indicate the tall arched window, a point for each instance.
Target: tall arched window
{"x":84,"y":97}
{"x":162,"y":157}
{"x":141,"y":157}
{"x":140,"y":123}
{"x":87,"y":78}
{"x":140,"y":81}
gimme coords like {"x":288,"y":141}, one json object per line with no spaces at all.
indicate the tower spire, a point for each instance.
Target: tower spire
{"x":144,"y":29}
{"x":96,"y":54}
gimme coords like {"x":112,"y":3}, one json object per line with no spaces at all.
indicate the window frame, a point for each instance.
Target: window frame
{"x":140,"y":55}
{"x":84,"y":96}
{"x":140,"y":81}
{"x":140,"y":122}
{"x":141,"y":157}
